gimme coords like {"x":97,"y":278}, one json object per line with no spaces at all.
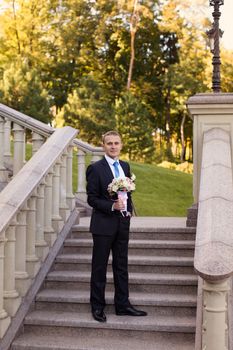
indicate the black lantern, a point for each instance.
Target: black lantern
{"x":214,"y":34}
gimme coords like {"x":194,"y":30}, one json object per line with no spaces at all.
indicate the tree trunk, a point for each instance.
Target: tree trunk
{"x":133,"y":29}
{"x":182,"y":156}
{"x":16,"y":29}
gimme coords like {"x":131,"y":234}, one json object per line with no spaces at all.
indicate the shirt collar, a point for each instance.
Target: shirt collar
{"x":110,"y":160}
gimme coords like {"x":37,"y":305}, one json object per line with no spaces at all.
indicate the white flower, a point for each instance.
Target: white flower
{"x":121,"y":184}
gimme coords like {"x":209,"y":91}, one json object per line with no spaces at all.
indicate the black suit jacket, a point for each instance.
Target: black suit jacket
{"x":104,"y":221}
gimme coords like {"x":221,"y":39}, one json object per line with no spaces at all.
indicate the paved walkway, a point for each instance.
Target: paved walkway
{"x":149,"y":221}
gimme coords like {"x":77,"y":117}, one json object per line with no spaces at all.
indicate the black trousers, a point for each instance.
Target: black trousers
{"x":102,"y":245}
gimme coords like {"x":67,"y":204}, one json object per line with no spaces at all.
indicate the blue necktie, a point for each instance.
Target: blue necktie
{"x":116,"y":169}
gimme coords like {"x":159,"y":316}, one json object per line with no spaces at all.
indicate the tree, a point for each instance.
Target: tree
{"x":89,"y":110}
{"x":22,"y":90}
{"x":133,"y":123}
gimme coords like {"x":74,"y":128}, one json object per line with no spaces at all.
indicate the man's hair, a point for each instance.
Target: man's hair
{"x":109,"y":133}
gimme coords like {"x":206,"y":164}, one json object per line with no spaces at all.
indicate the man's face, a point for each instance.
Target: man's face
{"x":112,"y":146}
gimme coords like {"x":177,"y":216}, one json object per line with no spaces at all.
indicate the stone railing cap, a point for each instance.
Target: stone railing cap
{"x":211,"y":98}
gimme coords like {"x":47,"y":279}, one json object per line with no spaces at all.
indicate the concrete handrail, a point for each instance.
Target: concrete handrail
{"x":41,"y":128}
{"x":13,"y":197}
{"x":214,"y":240}
{"x":40,"y":132}
{"x":25,"y":121}
{"x":34,"y":207}
{"x":213,"y":259}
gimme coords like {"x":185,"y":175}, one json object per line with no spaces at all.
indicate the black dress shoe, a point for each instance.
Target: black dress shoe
{"x":130,"y":311}
{"x":99,"y":315}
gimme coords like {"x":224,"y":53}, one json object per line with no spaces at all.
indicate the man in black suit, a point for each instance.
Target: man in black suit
{"x":110,"y":224}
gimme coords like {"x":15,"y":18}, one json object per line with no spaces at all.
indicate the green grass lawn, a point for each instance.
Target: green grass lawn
{"x":160,"y":191}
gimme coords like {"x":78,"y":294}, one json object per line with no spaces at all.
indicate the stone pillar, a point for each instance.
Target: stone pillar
{"x":42,"y":247}
{"x":7,"y":142}
{"x":95,"y":158}
{"x":22,"y":279}
{"x":208,"y":111}
{"x":3,"y":171}
{"x":49,"y":234}
{"x":64,"y":209}
{"x":37,"y":142}
{"x":4,"y":318}
{"x":32,"y":261}
{"x":69,"y":179}
{"x":215,"y":328}
{"x":19,"y":148}
{"x":81,"y":191}
{"x":12,"y":299}
{"x":57,"y":221}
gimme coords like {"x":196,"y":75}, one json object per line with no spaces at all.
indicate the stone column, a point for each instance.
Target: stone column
{"x":3,"y":171}
{"x":69,"y":179}
{"x":64,"y":209}
{"x":215,"y":328}
{"x":208,"y":111}
{"x":49,"y":234}
{"x":57,"y":221}
{"x":42,"y":247}
{"x":37,"y":142}
{"x":81,"y":191}
{"x":7,"y":142}
{"x":12,"y":299}
{"x":19,"y":148}
{"x":22,"y":279}
{"x":4,"y":318}
{"x":32,"y":261}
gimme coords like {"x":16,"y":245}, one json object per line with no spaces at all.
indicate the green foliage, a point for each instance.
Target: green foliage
{"x":136,"y":135}
{"x":89,"y":110}
{"x":22,"y":90}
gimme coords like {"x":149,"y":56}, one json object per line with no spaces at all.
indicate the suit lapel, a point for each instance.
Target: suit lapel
{"x":107,"y":171}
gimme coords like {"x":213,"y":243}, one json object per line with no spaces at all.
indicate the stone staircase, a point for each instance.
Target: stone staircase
{"x":162,"y":282}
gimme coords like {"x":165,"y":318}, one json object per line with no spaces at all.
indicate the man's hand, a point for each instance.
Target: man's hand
{"x":119,"y":205}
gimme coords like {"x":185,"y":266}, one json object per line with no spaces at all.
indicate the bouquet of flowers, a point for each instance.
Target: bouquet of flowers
{"x":120,"y":186}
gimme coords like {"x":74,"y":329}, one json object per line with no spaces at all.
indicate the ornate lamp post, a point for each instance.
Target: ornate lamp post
{"x":214,"y":34}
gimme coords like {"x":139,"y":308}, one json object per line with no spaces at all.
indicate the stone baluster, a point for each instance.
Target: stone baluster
{"x":69,"y":179}
{"x":64,"y":209}
{"x":41,"y":245}
{"x":19,"y":148}
{"x":81,"y":191}
{"x":11,"y":296}
{"x":49,"y":233}
{"x":32,"y":261}
{"x":4,"y":318}
{"x":57,"y":221}
{"x":37,"y":142}
{"x":3,"y":171}
{"x":22,"y":278}
{"x":214,"y":324}
{"x":7,"y":142}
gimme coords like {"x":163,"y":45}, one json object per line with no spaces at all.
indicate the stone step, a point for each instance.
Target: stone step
{"x":62,"y":322}
{"x":138,"y":282}
{"x":161,"y":341}
{"x":169,"y":233}
{"x":158,"y":247}
{"x":154,"y":304}
{"x":167,"y":264}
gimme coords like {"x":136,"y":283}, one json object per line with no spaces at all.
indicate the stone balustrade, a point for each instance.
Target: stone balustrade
{"x":17,"y":129}
{"x":33,"y":209}
{"x":213,"y":258}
